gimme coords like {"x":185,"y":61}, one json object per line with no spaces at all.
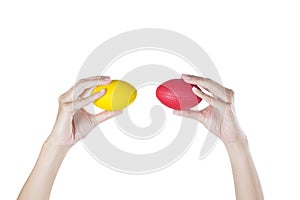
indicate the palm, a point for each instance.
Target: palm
{"x":70,"y":128}
{"x":212,"y":120}
{"x":82,"y":124}
{"x":221,"y":122}
{"x":219,"y":117}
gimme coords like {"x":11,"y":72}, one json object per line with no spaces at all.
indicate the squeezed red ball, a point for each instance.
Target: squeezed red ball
{"x":177,"y":94}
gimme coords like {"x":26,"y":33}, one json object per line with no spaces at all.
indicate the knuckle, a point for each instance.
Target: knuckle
{"x":79,"y":82}
{"x":229,"y":93}
{"x":207,"y":80}
{"x":63,"y":106}
{"x":60,"y":98}
{"x":228,"y":106}
{"x":195,"y":78}
{"x":201,"y":79}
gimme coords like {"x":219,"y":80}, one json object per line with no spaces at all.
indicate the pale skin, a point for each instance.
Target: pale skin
{"x":73,"y":123}
{"x":220,"y":118}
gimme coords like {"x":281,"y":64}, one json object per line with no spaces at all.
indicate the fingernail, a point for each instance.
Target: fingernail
{"x":176,"y":112}
{"x":186,"y":76}
{"x":117,"y":112}
{"x":100,"y":93}
{"x":195,"y":89}
{"x":105,"y":80}
{"x":120,"y":112}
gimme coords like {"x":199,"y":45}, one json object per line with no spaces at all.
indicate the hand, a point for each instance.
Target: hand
{"x":219,"y":117}
{"x":73,"y":122}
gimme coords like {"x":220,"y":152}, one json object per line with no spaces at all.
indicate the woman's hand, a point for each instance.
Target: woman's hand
{"x":73,"y":122}
{"x":219,"y":117}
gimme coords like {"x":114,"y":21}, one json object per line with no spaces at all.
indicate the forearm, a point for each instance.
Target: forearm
{"x":246,"y":181}
{"x":39,"y":183}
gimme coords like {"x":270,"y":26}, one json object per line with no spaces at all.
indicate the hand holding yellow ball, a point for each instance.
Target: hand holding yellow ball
{"x":119,"y":94}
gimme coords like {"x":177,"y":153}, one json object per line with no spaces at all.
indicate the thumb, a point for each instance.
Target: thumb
{"x":103,"y":116}
{"x":193,"y":114}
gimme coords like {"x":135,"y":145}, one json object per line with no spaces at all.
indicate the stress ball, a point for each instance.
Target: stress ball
{"x":177,"y":94}
{"x":119,"y":94}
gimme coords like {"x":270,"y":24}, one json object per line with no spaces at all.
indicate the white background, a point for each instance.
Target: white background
{"x":254,"y":44}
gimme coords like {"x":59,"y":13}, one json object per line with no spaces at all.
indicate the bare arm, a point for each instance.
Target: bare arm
{"x":220,"y":118}
{"x":72,"y":124}
{"x":246,"y":181}
{"x":40,"y":181}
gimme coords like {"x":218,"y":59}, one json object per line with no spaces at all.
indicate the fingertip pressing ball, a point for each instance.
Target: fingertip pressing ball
{"x":119,"y":94}
{"x":177,"y":94}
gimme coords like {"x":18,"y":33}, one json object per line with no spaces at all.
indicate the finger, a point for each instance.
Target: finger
{"x":86,"y":101}
{"x":193,"y":114}
{"x":95,"y":80}
{"x":209,"y":99}
{"x":83,"y":84}
{"x":98,"y":77}
{"x":213,"y":87}
{"x":195,"y":80}
{"x":86,"y":93}
{"x":106,"y":115}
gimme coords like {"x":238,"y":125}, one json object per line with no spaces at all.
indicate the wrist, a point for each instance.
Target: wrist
{"x":56,"y":149}
{"x":57,"y":142}
{"x":234,"y":137}
{"x":237,"y":145}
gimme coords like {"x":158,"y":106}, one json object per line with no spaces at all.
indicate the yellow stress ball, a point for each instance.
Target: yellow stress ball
{"x":119,"y":95}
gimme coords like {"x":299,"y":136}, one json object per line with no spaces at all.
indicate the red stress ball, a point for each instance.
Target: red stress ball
{"x":177,"y":94}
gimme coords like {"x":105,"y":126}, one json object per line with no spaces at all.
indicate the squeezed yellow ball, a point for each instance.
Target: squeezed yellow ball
{"x":119,"y":94}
